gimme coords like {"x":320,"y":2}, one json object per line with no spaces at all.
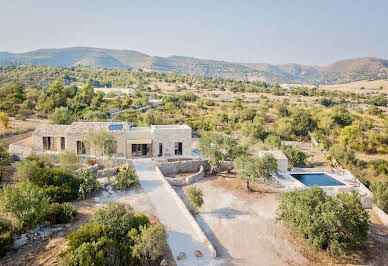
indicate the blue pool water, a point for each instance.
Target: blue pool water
{"x":319,"y":179}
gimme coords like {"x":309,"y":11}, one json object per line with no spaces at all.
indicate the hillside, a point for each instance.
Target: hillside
{"x":339,"y":72}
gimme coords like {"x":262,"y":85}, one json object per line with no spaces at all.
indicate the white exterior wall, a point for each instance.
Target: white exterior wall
{"x":282,"y":165}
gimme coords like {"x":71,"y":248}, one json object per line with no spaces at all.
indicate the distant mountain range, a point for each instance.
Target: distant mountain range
{"x":367,"y":68}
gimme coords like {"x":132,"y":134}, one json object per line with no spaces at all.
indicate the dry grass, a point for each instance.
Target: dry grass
{"x":370,"y":86}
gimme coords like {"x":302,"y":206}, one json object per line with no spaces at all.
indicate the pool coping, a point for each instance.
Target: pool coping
{"x":328,"y":189}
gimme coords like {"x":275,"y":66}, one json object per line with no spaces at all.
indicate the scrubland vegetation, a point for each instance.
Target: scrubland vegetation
{"x":348,"y":127}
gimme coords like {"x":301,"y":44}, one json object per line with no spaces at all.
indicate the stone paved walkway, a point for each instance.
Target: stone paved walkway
{"x":181,"y":234}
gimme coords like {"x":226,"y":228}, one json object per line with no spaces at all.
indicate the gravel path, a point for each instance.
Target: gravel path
{"x":181,"y":235}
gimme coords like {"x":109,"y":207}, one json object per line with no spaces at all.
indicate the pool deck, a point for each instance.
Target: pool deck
{"x":344,"y":176}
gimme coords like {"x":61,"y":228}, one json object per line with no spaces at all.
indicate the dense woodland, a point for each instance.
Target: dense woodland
{"x":345,"y":124}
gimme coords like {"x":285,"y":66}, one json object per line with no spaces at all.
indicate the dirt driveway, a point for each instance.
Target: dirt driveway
{"x":243,"y":229}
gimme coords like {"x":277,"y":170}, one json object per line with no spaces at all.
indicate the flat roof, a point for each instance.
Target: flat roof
{"x":170,"y":126}
{"x":278,"y":154}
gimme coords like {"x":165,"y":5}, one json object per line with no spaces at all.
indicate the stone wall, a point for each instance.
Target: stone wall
{"x":196,"y":177}
{"x":187,"y":213}
{"x":178,"y":182}
{"x":19,"y":150}
{"x":187,"y":166}
{"x":381,"y":214}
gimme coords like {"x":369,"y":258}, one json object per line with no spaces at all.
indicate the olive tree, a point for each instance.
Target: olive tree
{"x":255,"y":169}
{"x":218,"y":148}
{"x":102,"y":141}
{"x":336,"y":224}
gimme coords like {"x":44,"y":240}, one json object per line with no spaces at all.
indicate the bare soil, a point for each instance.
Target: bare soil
{"x":244,"y":231}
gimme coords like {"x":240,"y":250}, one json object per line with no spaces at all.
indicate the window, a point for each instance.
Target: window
{"x":46,"y":143}
{"x":116,"y":127}
{"x":63,"y":143}
{"x":160,"y":149}
{"x":178,"y":148}
{"x":81,"y":149}
{"x":140,"y":149}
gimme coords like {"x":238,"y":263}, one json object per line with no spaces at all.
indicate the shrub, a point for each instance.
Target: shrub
{"x":4,"y":119}
{"x":344,"y":155}
{"x":149,"y":243}
{"x":273,"y":141}
{"x":6,"y":239}
{"x":5,"y":158}
{"x":115,"y":236}
{"x":60,"y":213}
{"x":252,"y":129}
{"x":69,"y":160}
{"x":118,"y":219}
{"x":58,"y":183}
{"x":126,"y":177}
{"x":195,"y":196}
{"x":61,"y":116}
{"x":89,"y":183}
{"x":335,"y":224}
{"x":380,"y":191}
{"x":294,"y":155}
{"x":25,"y":202}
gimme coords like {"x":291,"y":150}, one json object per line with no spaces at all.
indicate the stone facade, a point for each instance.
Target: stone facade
{"x":130,"y":142}
{"x":171,"y":136}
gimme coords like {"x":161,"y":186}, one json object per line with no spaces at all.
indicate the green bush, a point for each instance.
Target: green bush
{"x":344,"y":155}
{"x":61,"y":116}
{"x":335,"y":224}
{"x":380,"y":191}
{"x":195,"y":196}
{"x":69,"y":160}
{"x":6,"y":239}
{"x":273,"y":141}
{"x":126,"y":177}
{"x":149,"y":243}
{"x":58,"y":183}
{"x":89,"y":183}
{"x":25,"y":202}
{"x":115,"y":236}
{"x":294,"y":155}
{"x":5,"y":158}
{"x":60,"y":213}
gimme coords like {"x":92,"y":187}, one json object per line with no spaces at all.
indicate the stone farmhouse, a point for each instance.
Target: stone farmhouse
{"x":130,"y":142}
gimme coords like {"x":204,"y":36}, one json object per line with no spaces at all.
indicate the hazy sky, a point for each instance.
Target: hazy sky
{"x":273,"y":31}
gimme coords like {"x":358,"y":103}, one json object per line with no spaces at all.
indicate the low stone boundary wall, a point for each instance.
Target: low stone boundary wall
{"x":381,"y":214}
{"x":187,"y":213}
{"x":179,"y":182}
{"x":196,"y":177}
{"x":19,"y":151}
{"x":187,"y":166}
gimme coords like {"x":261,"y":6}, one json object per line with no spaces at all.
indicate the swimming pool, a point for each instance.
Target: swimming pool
{"x":319,"y":179}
